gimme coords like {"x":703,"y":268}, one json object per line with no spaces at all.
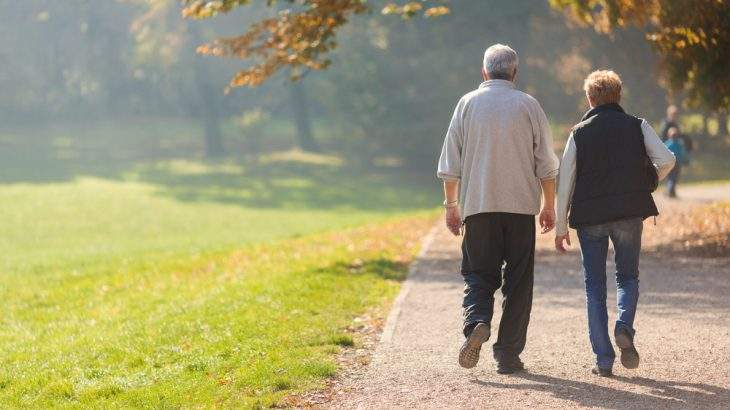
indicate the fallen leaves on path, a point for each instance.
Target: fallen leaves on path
{"x":695,"y":230}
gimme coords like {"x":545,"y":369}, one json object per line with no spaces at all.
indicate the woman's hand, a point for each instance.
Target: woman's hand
{"x":559,"y":239}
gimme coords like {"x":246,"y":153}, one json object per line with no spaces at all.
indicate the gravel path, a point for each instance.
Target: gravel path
{"x":683,"y":335}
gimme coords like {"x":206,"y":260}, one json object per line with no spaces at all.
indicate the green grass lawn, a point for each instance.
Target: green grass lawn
{"x":234,"y":329}
{"x":133,"y":278}
{"x":181,"y":283}
{"x":707,"y":165}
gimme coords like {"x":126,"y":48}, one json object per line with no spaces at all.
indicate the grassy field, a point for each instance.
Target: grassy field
{"x":130,"y":281}
{"x":135,"y":275}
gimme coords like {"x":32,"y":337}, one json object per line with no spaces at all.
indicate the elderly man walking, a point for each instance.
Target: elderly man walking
{"x":496,"y":159}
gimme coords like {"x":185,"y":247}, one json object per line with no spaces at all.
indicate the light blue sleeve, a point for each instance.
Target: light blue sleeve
{"x":449,"y":166}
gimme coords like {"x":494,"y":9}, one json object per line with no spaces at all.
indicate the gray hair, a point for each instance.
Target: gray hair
{"x":500,"y":62}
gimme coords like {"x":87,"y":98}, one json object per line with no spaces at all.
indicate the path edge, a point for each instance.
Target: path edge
{"x":395,"y":310}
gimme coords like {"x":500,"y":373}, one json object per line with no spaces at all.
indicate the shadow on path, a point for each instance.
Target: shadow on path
{"x":663,"y":393}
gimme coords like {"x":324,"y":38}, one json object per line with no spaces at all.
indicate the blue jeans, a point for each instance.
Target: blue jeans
{"x":626,"y":238}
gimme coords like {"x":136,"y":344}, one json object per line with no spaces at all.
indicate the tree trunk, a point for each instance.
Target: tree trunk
{"x":705,"y":129}
{"x":209,"y":100}
{"x":300,"y":111}
{"x":722,"y":130}
{"x":213,"y":135}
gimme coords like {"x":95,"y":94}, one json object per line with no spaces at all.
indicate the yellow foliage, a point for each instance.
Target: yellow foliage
{"x":693,"y":39}
{"x":299,"y":38}
{"x":437,"y":11}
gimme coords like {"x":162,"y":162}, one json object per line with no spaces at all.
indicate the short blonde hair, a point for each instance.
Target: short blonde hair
{"x":603,"y":87}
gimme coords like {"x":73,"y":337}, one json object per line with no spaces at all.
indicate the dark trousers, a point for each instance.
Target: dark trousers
{"x":498,"y":250}
{"x":673,"y":179}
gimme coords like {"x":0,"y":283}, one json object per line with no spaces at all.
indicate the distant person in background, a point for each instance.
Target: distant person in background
{"x":496,"y":160}
{"x":672,"y":121}
{"x":606,"y":183}
{"x":675,"y":144}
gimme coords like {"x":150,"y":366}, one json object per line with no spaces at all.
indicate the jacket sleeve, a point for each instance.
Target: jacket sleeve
{"x":546,"y":162}
{"x":449,"y":167}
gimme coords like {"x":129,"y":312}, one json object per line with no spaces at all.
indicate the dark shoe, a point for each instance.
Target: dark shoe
{"x":625,"y":342}
{"x":510,"y":366}
{"x":602,"y":372}
{"x":469,"y":353}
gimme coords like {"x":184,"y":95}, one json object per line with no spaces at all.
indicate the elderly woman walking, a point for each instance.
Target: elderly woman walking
{"x":606,"y":182}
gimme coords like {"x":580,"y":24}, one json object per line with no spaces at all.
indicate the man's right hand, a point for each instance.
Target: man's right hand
{"x":453,"y":220}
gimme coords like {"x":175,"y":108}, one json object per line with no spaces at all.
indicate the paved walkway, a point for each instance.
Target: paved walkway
{"x":683,"y":335}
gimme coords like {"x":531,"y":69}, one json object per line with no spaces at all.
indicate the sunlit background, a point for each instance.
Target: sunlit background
{"x":155,"y":227}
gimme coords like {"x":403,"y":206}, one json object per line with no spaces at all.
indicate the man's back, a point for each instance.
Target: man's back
{"x":499,"y":146}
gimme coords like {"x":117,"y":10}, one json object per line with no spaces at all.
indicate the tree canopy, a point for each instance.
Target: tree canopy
{"x":299,"y":37}
{"x":387,"y":93}
{"x":694,"y":46}
{"x":692,"y":39}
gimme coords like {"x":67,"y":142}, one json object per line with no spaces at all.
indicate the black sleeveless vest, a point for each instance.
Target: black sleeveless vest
{"x":611,"y":179}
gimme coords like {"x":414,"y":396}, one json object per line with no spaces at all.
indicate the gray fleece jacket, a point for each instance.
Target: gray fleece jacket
{"x":499,"y":147}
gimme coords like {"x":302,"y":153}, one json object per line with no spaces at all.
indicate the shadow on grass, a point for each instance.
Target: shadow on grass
{"x":44,"y":164}
{"x":709,"y":163}
{"x":251,"y":185}
{"x":57,"y":152}
{"x":664,"y":393}
{"x":292,"y":185}
{"x":151,"y":152}
{"x":381,"y":267}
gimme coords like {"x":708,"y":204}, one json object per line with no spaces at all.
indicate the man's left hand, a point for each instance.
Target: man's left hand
{"x":547,"y":220}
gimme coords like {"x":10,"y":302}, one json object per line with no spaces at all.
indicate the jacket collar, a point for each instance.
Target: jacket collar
{"x":497,"y":83}
{"x":601,"y":108}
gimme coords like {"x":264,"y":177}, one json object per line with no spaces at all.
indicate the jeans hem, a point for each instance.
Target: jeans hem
{"x":603,"y":365}
{"x":622,"y":325}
